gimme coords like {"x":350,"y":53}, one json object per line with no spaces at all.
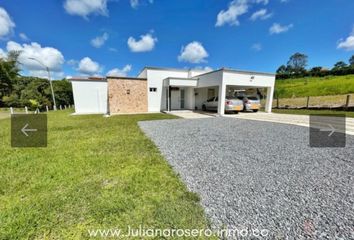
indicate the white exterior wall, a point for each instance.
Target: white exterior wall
{"x":210,"y":79}
{"x":90,"y":97}
{"x":155,"y":77}
{"x":244,"y":79}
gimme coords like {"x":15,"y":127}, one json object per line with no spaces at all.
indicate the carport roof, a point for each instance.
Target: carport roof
{"x":238,"y":71}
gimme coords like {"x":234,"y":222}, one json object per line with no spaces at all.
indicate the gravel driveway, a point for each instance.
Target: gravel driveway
{"x":262,"y":175}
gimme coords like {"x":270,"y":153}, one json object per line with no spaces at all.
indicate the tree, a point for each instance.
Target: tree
{"x":339,"y":65}
{"x":351,"y":61}
{"x":315,"y":71}
{"x":9,"y":71}
{"x":297,"y":63}
{"x":282,"y":70}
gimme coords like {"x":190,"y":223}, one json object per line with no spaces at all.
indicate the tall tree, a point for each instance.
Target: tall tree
{"x":297,"y":63}
{"x":282,"y":69}
{"x":351,"y":61}
{"x":9,"y":71}
{"x":339,"y":65}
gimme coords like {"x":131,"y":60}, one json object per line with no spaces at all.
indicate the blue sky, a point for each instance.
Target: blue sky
{"x":94,"y":37}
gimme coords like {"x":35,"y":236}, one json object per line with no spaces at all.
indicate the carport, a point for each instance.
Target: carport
{"x":220,"y":80}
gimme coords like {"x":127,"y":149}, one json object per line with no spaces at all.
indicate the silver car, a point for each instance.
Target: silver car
{"x":251,"y":103}
{"x":232,"y":104}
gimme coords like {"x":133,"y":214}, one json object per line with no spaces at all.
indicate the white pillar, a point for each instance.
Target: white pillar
{"x":269,"y":100}
{"x":11,"y":110}
{"x":221,"y":97}
{"x":26,"y":110}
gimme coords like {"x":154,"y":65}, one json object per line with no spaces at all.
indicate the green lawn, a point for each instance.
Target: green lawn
{"x":315,"y":86}
{"x":95,"y":173}
{"x":308,"y":112}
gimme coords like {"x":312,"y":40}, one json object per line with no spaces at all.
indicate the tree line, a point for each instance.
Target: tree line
{"x":296,"y":68}
{"x":20,"y":91}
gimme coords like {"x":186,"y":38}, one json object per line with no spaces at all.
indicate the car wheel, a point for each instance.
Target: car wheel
{"x":255,"y":110}
{"x":204,"y":108}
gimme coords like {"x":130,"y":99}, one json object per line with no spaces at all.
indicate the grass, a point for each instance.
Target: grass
{"x":331,"y":100}
{"x":4,"y":115}
{"x":308,"y":112}
{"x":315,"y":86}
{"x":95,"y":173}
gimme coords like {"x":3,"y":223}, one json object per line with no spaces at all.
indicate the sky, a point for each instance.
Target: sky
{"x":120,"y":37}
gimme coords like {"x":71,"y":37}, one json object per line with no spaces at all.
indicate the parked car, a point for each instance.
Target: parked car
{"x":232,"y":104}
{"x":251,"y":103}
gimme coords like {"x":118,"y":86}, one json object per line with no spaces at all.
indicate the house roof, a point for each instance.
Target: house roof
{"x":87,"y":79}
{"x":201,"y":70}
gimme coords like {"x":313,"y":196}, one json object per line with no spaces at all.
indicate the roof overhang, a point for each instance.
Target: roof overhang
{"x":181,"y":82}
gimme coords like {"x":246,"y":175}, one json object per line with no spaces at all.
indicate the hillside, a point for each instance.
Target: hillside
{"x":315,"y":86}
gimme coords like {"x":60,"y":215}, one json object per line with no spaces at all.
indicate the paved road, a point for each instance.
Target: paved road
{"x":262,"y":175}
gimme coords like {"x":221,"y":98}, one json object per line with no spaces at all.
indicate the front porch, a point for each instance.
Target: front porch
{"x":179,"y":93}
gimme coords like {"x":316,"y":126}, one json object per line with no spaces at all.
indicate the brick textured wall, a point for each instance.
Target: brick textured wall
{"x":127,"y":95}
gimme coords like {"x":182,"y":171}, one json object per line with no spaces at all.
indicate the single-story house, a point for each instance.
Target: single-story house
{"x":165,"y":89}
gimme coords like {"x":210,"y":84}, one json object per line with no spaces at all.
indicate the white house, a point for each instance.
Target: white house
{"x":166,"y":89}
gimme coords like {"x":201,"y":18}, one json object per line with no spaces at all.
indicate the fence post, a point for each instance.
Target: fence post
{"x":46,"y":108}
{"x":347,"y":102}
{"x":11,"y":110}
{"x":64,"y":106}
{"x":308,"y":102}
{"x":26,"y":109}
{"x":277,"y":102}
{"x":60,"y":107}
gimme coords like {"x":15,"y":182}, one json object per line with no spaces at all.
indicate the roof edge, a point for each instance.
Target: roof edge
{"x":130,"y":78}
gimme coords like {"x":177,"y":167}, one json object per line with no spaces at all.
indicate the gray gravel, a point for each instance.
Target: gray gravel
{"x":261,"y":175}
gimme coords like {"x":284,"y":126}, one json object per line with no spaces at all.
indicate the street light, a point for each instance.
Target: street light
{"x":49,"y":79}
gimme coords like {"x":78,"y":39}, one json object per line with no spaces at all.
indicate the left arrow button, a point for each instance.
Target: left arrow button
{"x":24,"y":130}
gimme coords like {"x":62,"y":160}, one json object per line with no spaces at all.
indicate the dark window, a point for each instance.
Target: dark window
{"x":153,"y":89}
{"x":210,"y":99}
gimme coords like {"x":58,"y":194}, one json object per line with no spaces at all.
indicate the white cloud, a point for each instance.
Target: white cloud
{"x":276,"y":28}
{"x":44,"y":74}
{"x":84,"y":8}
{"x":2,"y":54}
{"x":51,"y":57}
{"x":348,"y":43}
{"x":116,"y":72}
{"x":256,"y":47}
{"x":265,"y":2}
{"x":146,"y":43}
{"x":261,"y":14}
{"x":24,"y":37}
{"x":72,"y":62}
{"x":87,"y":66}
{"x":99,"y":41}
{"x":6,"y":24}
{"x":229,"y":16}
{"x":135,"y":3}
{"x":206,"y":68}
{"x":194,"y":52}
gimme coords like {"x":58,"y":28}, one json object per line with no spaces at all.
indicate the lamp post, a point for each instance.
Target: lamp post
{"x":49,"y":79}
